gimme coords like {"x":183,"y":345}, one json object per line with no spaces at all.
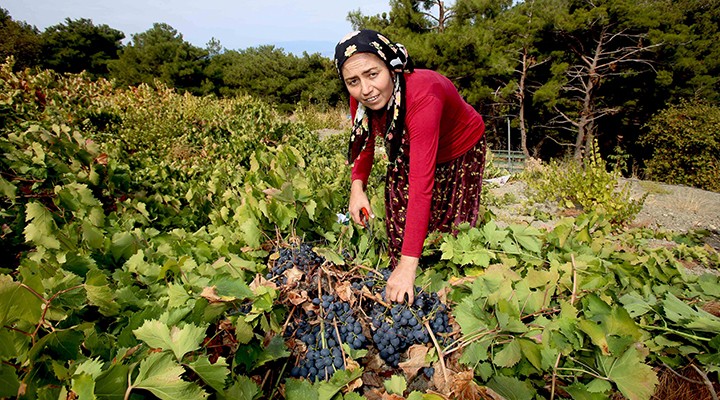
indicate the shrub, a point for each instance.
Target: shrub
{"x":588,"y":186}
{"x":685,"y":144}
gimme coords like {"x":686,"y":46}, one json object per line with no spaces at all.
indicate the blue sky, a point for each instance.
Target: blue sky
{"x":314,"y":26}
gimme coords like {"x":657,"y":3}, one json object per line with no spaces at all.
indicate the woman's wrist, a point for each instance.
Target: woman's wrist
{"x":357,"y":184}
{"x":408,"y":263}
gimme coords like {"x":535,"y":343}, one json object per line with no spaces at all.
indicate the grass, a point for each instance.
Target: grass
{"x":654,"y":188}
{"x":317,"y":118}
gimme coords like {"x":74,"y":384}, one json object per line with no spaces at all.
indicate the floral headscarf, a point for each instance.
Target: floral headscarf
{"x":397,"y":60}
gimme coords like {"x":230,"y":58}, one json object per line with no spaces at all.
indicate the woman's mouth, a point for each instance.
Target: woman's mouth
{"x":372,"y":99}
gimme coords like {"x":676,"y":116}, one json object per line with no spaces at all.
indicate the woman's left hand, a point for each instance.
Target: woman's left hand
{"x":402,"y":280}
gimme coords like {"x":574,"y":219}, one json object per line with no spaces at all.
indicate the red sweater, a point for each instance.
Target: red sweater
{"x":441,"y":127}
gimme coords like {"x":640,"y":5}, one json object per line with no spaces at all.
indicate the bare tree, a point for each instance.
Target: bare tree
{"x":609,"y":56}
{"x":444,"y":13}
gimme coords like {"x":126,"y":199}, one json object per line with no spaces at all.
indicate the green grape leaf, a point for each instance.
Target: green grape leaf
{"x":9,"y":382}
{"x":7,"y":189}
{"x":92,"y":235}
{"x":681,"y":313}
{"x":510,"y":355}
{"x":112,"y":383}
{"x":531,"y":351}
{"x":511,"y":388}
{"x":476,"y":352}
{"x":243,"y":388}
{"x":328,"y":390}
{"x":83,"y":385}
{"x":100,"y":294}
{"x":232,"y":289}
{"x":17,"y":303}
{"x":243,"y":331}
{"x":92,"y":368}
{"x":179,"y":340}
{"x":41,"y":229}
{"x":124,"y":245}
{"x":469,"y":316}
{"x":296,"y":389}
{"x":396,"y":385}
{"x":578,"y":391}
{"x":635,"y":379}
{"x":213,"y":374}
{"x":527,"y":237}
{"x":275,"y":350}
{"x":162,"y":377}
{"x":415,"y":395}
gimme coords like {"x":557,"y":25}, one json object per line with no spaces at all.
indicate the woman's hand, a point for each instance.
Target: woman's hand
{"x":358,"y":201}
{"x":402,"y":280}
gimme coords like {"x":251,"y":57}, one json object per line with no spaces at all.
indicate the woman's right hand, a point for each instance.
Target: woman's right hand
{"x":358,"y":201}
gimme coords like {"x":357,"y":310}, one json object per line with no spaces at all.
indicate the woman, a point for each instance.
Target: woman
{"x":434,"y":142}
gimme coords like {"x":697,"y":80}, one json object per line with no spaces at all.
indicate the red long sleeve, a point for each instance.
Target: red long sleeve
{"x":441,"y":127}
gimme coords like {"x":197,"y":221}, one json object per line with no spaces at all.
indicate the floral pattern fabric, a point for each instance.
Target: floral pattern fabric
{"x":396,"y":58}
{"x":455,"y":198}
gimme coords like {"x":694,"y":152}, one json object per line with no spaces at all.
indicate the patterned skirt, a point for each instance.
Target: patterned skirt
{"x":455,"y":199}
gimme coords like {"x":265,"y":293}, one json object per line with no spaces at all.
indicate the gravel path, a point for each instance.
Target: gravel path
{"x":676,"y":208}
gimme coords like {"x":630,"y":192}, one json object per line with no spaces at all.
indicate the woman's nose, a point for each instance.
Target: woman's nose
{"x":365,"y":87}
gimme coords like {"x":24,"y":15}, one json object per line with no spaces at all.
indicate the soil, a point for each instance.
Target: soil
{"x":676,"y":208}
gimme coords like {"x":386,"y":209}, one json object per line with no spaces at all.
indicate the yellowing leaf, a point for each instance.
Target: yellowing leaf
{"x":396,"y":384}
{"x":180,"y":341}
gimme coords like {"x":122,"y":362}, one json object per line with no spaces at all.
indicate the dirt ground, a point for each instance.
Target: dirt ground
{"x":677,"y":208}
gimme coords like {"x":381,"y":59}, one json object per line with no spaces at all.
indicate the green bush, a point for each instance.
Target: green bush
{"x":588,"y":186}
{"x":685,"y":145}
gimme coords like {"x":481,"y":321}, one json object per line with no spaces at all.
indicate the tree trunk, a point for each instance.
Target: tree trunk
{"x":586,"y":124}
{"x":521,"y":99}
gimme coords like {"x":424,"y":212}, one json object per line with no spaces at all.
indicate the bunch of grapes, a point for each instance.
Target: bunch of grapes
{"x":372,"y":279}
{"x":323,"y":340}
{"x":303,"y":257}
{"x":399,"y":326}
{"x":398,"y":329}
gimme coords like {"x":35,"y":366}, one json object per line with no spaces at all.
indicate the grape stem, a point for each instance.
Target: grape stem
{"x":441,"y":354}
{"x":337,"y":332}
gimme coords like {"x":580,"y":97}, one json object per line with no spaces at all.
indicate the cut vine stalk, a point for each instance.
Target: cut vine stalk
{"x":461,"y":344}
{"x":705,"y":378}
{"x":573,"y":298}
{"x":337,"y":332}
{"x":441,"y":354}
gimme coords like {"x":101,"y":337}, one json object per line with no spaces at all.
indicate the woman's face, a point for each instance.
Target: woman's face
{"x":368,"y":80}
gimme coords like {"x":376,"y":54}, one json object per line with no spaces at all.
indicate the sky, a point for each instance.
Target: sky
{"x":296,"y":26}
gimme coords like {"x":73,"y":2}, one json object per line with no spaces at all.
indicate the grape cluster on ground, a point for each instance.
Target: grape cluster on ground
{"x":323,"y":322}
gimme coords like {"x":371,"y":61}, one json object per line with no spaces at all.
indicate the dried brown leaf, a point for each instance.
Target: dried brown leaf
{"x":455,"y":281}
{"x":271,"y":192}
{"x":374,"y":394}
{"x":102,"y":159}
{"x":210,"y":294}
{"x":442,"y":384}
{"x":465,"y":388}
{"x":352,"y":365}
{"x":372,"y":379}
{"x":296,"y":297}
{"x":344,"y":292}
{"x":261,"y":281}
{"x":293,"y":275}
{"x":415,"y":361}
{"x":388,"y":396}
